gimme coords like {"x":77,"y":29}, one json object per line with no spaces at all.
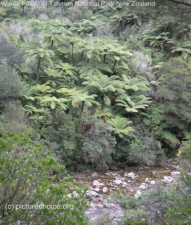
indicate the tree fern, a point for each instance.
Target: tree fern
{"x":171,"y":137}
{"x":120,"y":126}
{"x":136,"y":83}
{"x":134,"y":103}
{"x":94,"y":69}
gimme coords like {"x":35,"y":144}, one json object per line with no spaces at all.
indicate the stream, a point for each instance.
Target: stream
{"x":131,"y":180}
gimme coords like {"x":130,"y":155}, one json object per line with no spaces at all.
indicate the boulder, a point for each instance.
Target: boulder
{"x":143,"y":186}
{"x":167,"y":179}
{"x":118,"y":181}
{"x":96,"y":189}
{"x":152,"y":182}
{"x":124,"y":184}
{"x":175,"y":173}
{"x":96,"y":183}
{"x":130,"y":175}
{"x":105,"y":190}
{"x":92,"y":194}
{"x":94,"y":174}
{"x":138,"y":194}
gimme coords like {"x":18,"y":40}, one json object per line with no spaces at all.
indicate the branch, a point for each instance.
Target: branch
{"x":183,"y":3}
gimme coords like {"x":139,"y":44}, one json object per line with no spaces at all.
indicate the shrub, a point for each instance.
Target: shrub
{"x":10,"y":83}
{"x":27,"y":178}
{"x":9,"y":51}
{"x":98,"y":145}
{"x":174,"y":93}
{"x":13,"y":119}
{"x":150,"y":207}
{"x":181,"y":212}
{"x":146,"y":151}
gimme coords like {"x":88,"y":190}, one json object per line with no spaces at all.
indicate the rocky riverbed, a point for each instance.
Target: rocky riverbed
{"x":131,"y":180}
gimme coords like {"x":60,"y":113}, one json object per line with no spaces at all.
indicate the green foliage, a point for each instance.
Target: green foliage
{"x":53,"y":102}
{"x":9,"y":51}
{"x":114,"y":62}
{"x":171,"y":137}
{"x":134,"y":103}
{"x":181,"y":212}
{"x":174,"y":92}
{"x":120,"y":126}
{"x":55,"y":77}
{"x":146,"y":149}
{"x":40,"y":56}
{"x":13,"y":119}
{"x":106,"y":60}
{"x":97,"y":143}
{"x":26,"y":178}
{"x":150,"y":207}
{"x":10,"y":82}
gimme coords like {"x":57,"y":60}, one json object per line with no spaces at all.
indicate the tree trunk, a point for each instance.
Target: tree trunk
{"x":52,"y":43}
{"x":72,"y":52}
{"x":114,"y":65}
{"x":54,"y":112}
{"x":23,"y":9}
{"x":82,"y":109}
{"x":38,"y":69}
{"x":104,"y":56}
{"x":62,"y":9}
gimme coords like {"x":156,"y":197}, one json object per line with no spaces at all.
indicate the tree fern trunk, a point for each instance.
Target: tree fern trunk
{"x":23,"y":10}
{"x":82,"y":109}
{"x":104,"y":56}
{"x":72,"y":52}
{"x":38,"y":69}
{"x":114,"y":65}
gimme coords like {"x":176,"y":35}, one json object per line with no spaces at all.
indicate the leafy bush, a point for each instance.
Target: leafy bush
{"x":13,"y":119}
{"x":145,"y":149}
{"x":9,"y":51}
{"x":28,"y":192}
{"x":150,"y":207}
{"x":174,"y":92}
{"x":162,"y":203}
{"x":181,"y":211}
{"x":10,"y":83}
{"x":98,"y":144}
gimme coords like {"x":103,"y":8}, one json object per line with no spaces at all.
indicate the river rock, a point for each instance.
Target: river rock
{"x":167,"y":179}
{"x":99,"y":206}
{"x":175,"y":173}
{"x":97,"y":183}
{"x":124,"y":184}
{"x":152,"y":182}
{"x":94,"y":175}
{"x":105,"y":190}
{"x":143,"y":186}
{"x":138,"y":194}
{"x":97,"y":200}
{"x":111,"y":174}
{"x":118,"y":181}
{"x":130,"y":175}
{"x":96,"y":189}
{"x":92,"y":194}
{"x":108,"y":205}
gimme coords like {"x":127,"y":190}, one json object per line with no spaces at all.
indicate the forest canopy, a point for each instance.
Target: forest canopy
{"x":100,"y":84}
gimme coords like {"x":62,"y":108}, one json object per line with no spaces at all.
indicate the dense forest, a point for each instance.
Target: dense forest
{"x":91,"y":86}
